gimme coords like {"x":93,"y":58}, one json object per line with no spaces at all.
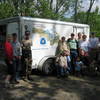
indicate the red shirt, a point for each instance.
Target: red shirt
{"x":8,"y":50}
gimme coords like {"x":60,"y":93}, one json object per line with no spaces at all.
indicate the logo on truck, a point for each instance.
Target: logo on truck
{"x":42,"y":41}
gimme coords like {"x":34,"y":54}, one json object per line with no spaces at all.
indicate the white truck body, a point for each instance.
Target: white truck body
{"x":44,"y":34}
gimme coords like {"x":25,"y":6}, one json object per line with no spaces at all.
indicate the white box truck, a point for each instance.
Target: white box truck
{"x":44,"y":34}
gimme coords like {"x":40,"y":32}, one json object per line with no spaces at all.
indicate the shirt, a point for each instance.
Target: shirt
{"x":61,"y":47}
{"x":26,"y":44}
{"x":79,"y":41}
{"x":62,"y":60}
{"x":98,"y":45}
{"x":78,"y":65}
{"x":17,"y":51}
{"x":93,"y":42}
{"x":8,"y":51}
{"x":72,"y":43}
{"x":84,"y":45}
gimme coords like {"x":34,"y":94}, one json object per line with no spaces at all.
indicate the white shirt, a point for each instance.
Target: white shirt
{"x":84,"y":45}
{"x":93,"y":42}
{"x":98,"y":45}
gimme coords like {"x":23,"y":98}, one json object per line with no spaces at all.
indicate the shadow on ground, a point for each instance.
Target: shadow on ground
{"x":50,"y":88}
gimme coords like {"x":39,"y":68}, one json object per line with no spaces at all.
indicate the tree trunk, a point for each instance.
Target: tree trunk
{"x":89,"y":10}
{"x":75,"y":9}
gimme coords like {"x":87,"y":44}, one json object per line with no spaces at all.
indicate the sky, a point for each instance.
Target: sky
{"x":86,"y":5}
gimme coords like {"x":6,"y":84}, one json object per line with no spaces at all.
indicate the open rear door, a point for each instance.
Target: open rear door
{"x":2,"y":39}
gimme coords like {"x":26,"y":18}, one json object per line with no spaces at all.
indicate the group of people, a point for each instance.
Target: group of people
{"x":73,"y":55}
{"x":17,"y":58}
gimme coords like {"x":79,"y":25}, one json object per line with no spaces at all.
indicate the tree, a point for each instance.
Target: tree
{"x":53,"y":9}
{"x":12,"y":8}
{"x":93,"y":21}
{"x":6,"y":10}
{"x":75,"y":6}
{"x":89,"y":9}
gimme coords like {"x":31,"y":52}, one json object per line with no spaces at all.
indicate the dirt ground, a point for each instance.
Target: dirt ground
{"x":52,"y":88}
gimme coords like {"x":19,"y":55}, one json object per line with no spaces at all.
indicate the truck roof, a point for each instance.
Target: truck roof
{"x":13,"y":19}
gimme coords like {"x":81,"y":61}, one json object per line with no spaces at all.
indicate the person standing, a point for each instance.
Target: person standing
{"x":73,"y":45}
{"x":17,"y":53}
{"x":79,"y":36}
{"x":79,"y":40}
{"x":98,"y":56}
{"x":61,"y":63}
{"x":93,"y":42}
{"x":84,"y":50}
{"x":62,"y":45}
{"x":27,"y":55}
{"x":9,"y":59}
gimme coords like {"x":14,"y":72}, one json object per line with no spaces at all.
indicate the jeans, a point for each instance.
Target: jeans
{"x":61,"y":71}
{"x":64,"y":71}
{"x":69,"y":63}
{"x":74,"y":55}
{"x":58,"y":69}
{"x":17,"y":68}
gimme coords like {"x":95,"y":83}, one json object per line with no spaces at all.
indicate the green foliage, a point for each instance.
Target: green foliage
{"x":5,"y":10}
{"x":11,"y":8}
{"x":52,"y":9}
{"x":44,"y":11}
{"x":98,"y":33}
{"x":93,"y":21}
{"x":42,"y":8}
{"x":49,"y":9}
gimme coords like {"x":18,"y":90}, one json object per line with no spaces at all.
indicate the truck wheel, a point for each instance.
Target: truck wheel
{"x":48,"y":66}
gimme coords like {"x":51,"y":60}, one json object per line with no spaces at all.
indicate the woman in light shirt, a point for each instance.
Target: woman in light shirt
{"x":84,"y":50}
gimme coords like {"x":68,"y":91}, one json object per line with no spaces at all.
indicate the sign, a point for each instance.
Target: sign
{"x":42,"y":41}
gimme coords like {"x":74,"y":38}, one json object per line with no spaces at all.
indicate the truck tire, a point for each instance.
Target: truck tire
{"x":48,"y":66}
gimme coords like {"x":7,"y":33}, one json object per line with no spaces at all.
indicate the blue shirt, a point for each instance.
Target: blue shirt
{"x":78,"y":65}
{"x":17,"y":51}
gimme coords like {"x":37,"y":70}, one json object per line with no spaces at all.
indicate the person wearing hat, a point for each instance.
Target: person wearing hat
{"x":26,"y":55}
{"x":93,"y":42}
